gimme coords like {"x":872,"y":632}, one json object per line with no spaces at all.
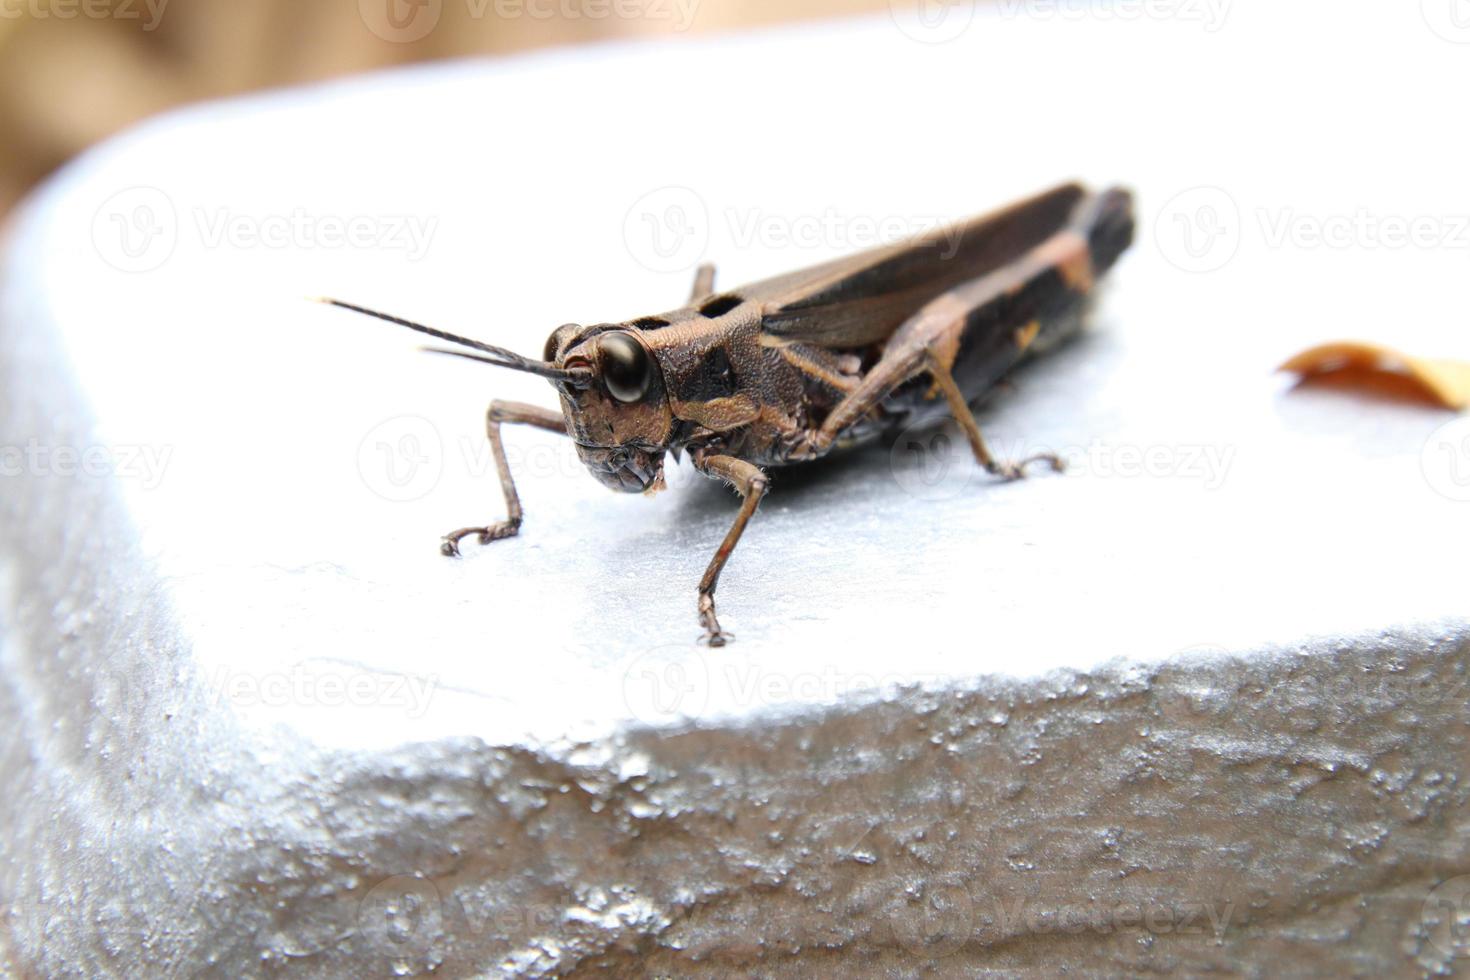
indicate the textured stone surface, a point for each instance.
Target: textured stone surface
{"x":1199,"y":705}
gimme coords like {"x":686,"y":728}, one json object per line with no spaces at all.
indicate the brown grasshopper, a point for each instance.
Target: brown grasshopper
{"x":793,"y":368}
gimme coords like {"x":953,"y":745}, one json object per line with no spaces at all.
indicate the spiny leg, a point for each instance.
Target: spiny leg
{"x":499,"y":412}
{"x":704,"y":282}
{"x":751,"y":482}
{"x":928,"y":342}
{"x":1010,"y":470}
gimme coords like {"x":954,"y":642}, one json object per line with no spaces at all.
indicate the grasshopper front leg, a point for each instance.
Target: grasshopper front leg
{"x":499,"y":412}
{"x":750,"y":480}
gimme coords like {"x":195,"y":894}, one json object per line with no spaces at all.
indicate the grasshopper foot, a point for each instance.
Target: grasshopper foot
{"x":716,"y":637}
{"x":713,"y":635}
{"x":505,"y":529}
{"x":1010,"y":471}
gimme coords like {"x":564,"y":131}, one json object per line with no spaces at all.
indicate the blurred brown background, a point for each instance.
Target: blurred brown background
{"x":75,"y":71}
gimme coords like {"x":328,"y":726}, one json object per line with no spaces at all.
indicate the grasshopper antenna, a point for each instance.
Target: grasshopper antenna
{"x":489,"y":354}
{"x":482,"y":358}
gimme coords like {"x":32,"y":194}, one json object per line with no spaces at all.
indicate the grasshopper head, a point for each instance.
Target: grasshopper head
{"x":612,"y":393}
{"x":617,"y":409}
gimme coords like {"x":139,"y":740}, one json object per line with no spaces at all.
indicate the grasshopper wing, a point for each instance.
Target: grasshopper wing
{"x":862,"y":299}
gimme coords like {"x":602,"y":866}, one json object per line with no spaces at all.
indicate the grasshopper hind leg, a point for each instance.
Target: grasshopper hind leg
{"x":1037,"y":294}
{"x":500,"y":412}
{"x":960,"y":409}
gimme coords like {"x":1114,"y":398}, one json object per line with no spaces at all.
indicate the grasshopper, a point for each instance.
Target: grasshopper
{"x":791,"y":369}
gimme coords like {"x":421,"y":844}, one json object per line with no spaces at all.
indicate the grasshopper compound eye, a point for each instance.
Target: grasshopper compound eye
{"x":626,"y":368}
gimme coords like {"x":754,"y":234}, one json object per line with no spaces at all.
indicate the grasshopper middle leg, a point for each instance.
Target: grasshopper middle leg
{"x":499,"y":412}
{"x":750,"y":480}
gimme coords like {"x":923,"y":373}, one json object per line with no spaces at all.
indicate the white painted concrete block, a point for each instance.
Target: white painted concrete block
{"x":1199,"y":705}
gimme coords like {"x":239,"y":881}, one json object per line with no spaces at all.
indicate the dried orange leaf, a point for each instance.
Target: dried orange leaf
{"x":1446,"y":382}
